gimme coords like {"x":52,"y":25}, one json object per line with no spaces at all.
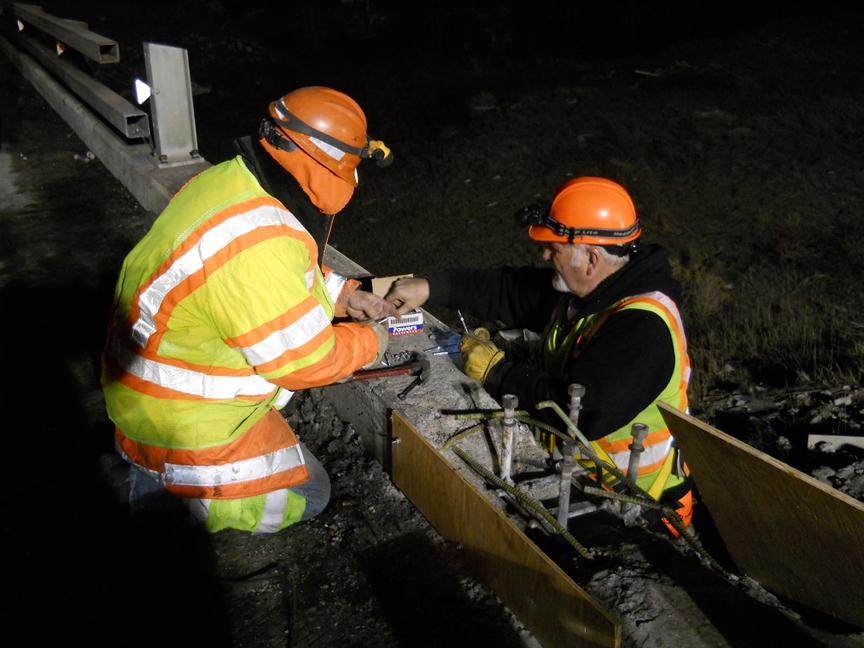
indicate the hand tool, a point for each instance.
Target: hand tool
{"x":418,"y":367}
{"x":386,"y":372}
{"x":425,"y":370}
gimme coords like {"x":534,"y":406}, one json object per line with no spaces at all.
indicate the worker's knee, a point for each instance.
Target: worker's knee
{"x":316,"y":490}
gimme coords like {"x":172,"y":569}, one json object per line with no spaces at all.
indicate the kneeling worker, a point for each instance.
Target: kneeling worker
{"x":224,"y":309}
{"x":609,"y":317}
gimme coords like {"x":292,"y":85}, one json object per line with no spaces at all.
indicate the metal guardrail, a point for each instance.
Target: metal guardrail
{"x":72,"y":33}
{"x":121,"y":114}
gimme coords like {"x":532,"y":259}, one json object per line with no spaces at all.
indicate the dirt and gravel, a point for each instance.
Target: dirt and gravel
{"x":371,"y":571}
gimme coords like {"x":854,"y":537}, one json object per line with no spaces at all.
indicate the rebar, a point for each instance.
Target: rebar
{"x":642,"y":497}
{"x":472,"y":416}
{"x":530,"y":502}
{"x":621,"y":497}
{"x":464,"y":434}
{"x":670,"y":514}
{"x":588,"y":451}
{"x":527,"y":420}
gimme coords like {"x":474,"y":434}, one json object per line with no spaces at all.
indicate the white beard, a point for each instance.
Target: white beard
{"x":559,"y":284}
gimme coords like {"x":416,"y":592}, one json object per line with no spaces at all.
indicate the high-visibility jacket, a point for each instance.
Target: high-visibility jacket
{"x":219,"y":310}
{"x":657,"y":469}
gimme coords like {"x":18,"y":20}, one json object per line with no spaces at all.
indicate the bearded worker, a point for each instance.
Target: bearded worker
{"x":607,"y":311}
{"x":224,"y":309}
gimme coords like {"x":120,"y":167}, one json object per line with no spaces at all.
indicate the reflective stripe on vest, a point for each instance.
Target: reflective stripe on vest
{"x":289,"y":338}
{"x":187,"y":381}
{"x":228,"y":474}
{"x":266,"y":457}
{"x":334,"y":283}
{"x":150,"y":300}
{"x":652,"y":456}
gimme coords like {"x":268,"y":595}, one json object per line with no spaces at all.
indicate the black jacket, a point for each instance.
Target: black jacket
{"x":624,"y":368}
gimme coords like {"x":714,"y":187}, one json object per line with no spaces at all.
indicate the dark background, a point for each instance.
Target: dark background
{"x":411,"y":65}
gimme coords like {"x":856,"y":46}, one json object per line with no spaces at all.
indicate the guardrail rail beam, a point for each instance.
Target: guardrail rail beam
{"x":121,"y":114}
{"x":72,"y":33}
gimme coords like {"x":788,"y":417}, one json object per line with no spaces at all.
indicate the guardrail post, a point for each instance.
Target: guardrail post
{"x":171,"y":108}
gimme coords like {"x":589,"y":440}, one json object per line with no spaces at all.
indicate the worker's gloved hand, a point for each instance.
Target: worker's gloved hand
{"x":408,"y":293}
{"x":383,"y":341}
{"x":479,"y":354}
{"x":363,"y":305}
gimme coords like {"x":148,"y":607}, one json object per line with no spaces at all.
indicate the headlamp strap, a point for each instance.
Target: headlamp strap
{"x":290,"y":121}
{"x":573,"y":232}
{"x":274,"y":138}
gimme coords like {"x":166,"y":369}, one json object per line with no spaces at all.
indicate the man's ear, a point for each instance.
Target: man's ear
{"x":592,"y":261}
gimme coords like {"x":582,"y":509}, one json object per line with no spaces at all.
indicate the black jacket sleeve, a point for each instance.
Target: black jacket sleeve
{"x":521,"y":298}
{"x":624,"y":369}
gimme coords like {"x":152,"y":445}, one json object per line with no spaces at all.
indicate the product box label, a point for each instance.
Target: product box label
{"x":410,"y":323}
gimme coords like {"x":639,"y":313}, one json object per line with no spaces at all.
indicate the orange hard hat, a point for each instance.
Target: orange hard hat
{"x":328,"y":125}
{"x":589,"y":210}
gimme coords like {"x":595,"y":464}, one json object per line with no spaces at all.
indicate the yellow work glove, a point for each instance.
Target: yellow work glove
{"x":479,"y":354}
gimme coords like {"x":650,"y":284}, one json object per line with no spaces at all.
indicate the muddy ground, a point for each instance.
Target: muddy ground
{"x":370,"y":571}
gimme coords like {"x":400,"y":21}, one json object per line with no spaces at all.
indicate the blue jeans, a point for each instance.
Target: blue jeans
{"x":316,"y":489}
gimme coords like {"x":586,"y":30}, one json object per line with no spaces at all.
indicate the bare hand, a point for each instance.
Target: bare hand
{"x":364,"y":305}
{"x":408,"y":293}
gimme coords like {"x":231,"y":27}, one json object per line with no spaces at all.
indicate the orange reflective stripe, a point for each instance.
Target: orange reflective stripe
{"x":657,"y":465}
{"x":266,"y":457}
{"x":284,"y":320}
{"x":623,"y":445}
{"x":290,"y":337}
{"x":355,"y":345}
{"x":296,"y":354}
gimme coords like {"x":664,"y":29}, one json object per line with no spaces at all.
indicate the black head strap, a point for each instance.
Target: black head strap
{"x":294,"y":123}
{"x":267,"y":131}
{"x":535,"y":215}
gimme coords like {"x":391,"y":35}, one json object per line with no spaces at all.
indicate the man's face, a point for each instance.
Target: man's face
{"x":569,"y":263}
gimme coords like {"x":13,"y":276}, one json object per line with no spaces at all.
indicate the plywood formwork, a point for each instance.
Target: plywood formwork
{"x":796,"y":536}
{"x":556,"y":610}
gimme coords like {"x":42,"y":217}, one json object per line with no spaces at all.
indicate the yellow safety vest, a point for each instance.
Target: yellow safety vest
{"x":219,"y":306}
{"x":657,"y":471}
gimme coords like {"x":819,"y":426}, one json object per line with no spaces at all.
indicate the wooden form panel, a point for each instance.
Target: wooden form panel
{"x":556,"y":610}
{"x":793,"y":534}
